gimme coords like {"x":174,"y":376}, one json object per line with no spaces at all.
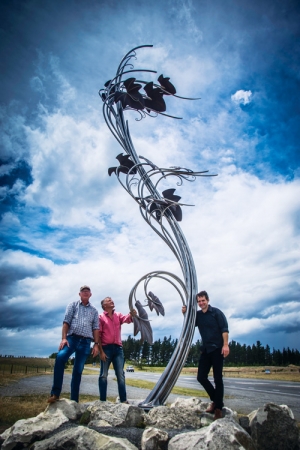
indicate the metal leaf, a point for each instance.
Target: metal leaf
{"x":155,"y":303}
{"x":142,"y":324}
{"x":136,"y":325}
{"x":141,"y":310}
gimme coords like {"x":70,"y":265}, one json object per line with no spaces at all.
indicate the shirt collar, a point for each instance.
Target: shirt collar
{"x":209,"y":309}
{"x":80,"y":302}
{"x":106,"y":313}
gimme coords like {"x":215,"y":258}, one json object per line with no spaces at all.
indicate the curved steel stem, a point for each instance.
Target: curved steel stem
{"x":140,"y":177}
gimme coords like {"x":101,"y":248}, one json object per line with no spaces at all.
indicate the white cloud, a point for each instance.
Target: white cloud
{"x":242,"y":239}
{"x":241,"y":96}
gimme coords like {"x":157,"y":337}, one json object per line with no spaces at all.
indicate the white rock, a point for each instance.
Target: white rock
{"x":223,"y":434}
{"x":273,"y":427}
{"x":172,"y":418}
{"x":288,"y":410}
{"x":82,"y":438}
{"x":154,"y":439}
{"x":99,"y":423}
{"x":26,"y":431}
{"x":69,"y":408}
{"x":117,"y":414}
{"x":192,"y":402}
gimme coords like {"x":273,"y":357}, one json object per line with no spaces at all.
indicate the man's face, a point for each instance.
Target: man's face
{"x":202,"y":303}
{"x":85,"y":295}
{"x":108,"y":304}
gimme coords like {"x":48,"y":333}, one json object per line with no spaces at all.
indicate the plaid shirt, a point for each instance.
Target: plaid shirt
{"x":81,"y":319}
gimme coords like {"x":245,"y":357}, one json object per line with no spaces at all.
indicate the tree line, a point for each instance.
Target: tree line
{"x":160,"y":352}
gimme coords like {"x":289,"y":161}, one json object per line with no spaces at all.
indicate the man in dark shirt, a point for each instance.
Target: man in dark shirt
{"x":213,"y":328}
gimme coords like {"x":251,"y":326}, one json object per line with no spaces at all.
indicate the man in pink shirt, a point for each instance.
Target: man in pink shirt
{"x":110,"y":336}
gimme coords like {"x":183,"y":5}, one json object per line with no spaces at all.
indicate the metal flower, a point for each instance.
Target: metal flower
{"x":165,"y":83}
{"x":155,"y":99}
{"x":170,"y":200}
{"x":132,"y":97}
{"x":125,"y":165}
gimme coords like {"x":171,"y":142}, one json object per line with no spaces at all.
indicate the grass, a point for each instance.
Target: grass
{"x":176,"y":390}
{"x":25,"y":406}
{"x":290,"y":373}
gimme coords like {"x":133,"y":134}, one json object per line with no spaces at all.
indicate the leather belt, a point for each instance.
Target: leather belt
{"x":80,"y":337}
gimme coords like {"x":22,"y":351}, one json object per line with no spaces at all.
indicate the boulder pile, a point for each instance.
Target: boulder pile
{"x":183,"y":426}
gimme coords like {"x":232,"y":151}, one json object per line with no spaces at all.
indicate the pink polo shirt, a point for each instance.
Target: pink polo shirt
{"x":110,"y":328}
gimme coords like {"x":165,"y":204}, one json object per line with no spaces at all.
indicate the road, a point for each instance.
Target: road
{"x":244,"y":394}
{"x":241,"y":394}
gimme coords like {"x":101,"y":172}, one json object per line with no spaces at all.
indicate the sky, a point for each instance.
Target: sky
{"x":64,"y":222}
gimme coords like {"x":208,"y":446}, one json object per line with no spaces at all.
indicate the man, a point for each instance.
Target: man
{"x":213,"y":328}
{"x":80,"y":327}
{"x":110,"y":335}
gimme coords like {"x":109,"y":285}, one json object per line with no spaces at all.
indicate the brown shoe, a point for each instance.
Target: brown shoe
{"x":52,"y":399}
{"x":218,"y":414}
{"x":211,"y":408}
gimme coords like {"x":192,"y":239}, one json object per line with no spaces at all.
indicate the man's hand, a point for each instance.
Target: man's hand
{"x":183,"y":309}
{"x":225,"y":350}
{"x":63,"y":343}
{"x":103,"y":356}
{"x":95,"y":350}
{"x":133,"y":312}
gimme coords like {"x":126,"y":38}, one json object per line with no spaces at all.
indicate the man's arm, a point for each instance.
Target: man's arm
{"x":64,"y":332}
{"x":98,"y":346}
{"x":127,"y":318}
{"x":225,"y":348}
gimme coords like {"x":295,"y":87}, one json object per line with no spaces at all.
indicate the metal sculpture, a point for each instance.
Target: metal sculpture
{"x":162,"y":211}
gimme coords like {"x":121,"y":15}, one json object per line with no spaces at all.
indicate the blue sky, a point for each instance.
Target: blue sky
{"x":65,"y":222}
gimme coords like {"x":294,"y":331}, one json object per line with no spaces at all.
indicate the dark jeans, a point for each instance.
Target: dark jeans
{"x":206,"y":362}
{"x":115,"y":356}
{"x":82,"y":348}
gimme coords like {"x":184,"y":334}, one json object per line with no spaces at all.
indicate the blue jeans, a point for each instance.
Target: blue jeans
{"x":115,"y":356}
{"x":82,"y":348}
{"x":207,"y":361}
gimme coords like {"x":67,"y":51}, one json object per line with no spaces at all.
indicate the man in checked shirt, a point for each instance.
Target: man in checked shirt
{"x":110,"y":336}
{"x":80,"y":328}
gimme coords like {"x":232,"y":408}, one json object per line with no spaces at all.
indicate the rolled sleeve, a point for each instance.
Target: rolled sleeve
{"x":69,"y":313}
{"x":125,"y":318}
{"x":95,"y":325}
{"x":222,"y":321}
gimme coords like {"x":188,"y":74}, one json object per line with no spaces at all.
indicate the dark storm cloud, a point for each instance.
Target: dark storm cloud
{"x":17,"y":171}
{"x":26,"y":316}
{"x":18,"y":311}
{"x":284,"y":301}
{"x":12,"y":272}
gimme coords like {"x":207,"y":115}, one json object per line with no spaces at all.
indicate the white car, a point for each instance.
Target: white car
{"x":129,"y":369}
